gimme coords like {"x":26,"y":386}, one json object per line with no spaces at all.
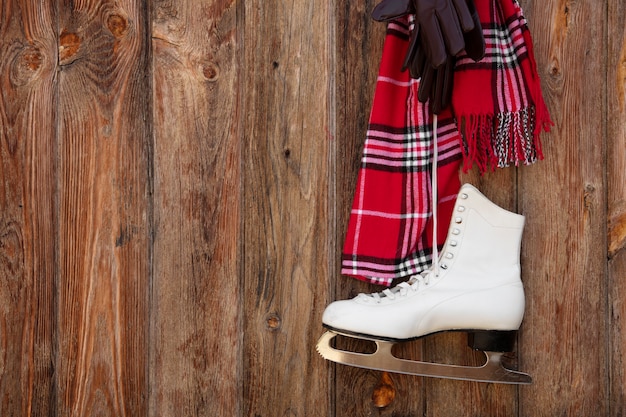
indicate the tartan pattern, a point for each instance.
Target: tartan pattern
{"x":501,"y":128}
{"x":389,"y":233}
{"x":389,"y":230}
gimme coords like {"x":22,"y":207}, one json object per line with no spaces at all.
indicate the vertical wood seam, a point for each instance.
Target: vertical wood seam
{"x":607,"y":354}
{"x":56,"y":348}
{"x":332,"y":185}
{"x":150,"y":207}
{"x":240,"y":105}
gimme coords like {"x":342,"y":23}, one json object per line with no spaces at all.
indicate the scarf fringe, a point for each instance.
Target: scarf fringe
{"x":503,"y":139}
{"x":504,"y":131}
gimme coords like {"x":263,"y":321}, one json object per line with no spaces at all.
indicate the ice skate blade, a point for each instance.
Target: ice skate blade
{"x":383,"y":360}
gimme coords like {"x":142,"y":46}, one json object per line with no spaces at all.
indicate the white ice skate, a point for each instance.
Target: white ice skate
{"x":474,"y":286}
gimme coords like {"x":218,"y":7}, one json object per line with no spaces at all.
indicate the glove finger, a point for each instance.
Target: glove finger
{"x":435,"y":102}
{"x":436,"y":92}
{"x":447,"y":78}
{"x":391,"y":9}
{"x":426,"y":84}
{"x":464,"y":14}
{"x":433,"y":42}
{"x":474,"y":39}
{"x":475,"y":44}
{"x":441,"y":92}
{"x":418,"y":64}
{"x":451,"y":30}
{"x":412,"y":51}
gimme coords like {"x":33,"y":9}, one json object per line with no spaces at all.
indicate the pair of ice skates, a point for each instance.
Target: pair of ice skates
{"x":473,"y":286}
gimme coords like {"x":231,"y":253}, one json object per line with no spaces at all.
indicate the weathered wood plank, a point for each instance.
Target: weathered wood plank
{"x":80,"y":238}
{"x":564,"y":340}
{"x":472,"y":398}
{"x":357,"y":51}
{"x":358,"y":44}
{"x":27,"y":172}
{"x":104,"y":215}
{"x":616,"y":183}
{"x":196,"y":351}
{"x":287,"y":236}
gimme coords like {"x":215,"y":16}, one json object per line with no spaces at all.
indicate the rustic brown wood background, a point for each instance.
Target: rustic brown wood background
{"x":175,"y":182}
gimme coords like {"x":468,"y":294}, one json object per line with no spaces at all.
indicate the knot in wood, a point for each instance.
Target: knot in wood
{"x":211,"y":72}
{"x":68,"y":46}
{"x":25,"y":65}
{"x":617,"y":232}
{"x":118,"y":25}
{"x":555,"y":70}
{"x":273,"y":321}
{"x":384,"y":392}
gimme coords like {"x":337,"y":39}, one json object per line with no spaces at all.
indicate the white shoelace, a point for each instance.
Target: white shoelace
{"x":435,"y":197}
{"x":414,"y":283}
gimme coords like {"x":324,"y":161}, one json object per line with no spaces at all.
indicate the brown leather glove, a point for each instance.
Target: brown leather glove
{"x":436,"y":85}
{"x":436,"y":80}
{"x":442,"y":24}
{"x":447,"y":26}
{"x":388,"y":10}
{"x":474,"y":38}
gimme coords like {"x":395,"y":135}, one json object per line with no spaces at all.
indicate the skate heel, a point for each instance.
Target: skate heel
{"x":492,"y":340}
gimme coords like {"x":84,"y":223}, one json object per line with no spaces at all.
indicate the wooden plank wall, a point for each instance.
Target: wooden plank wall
{"x":616,"y":192}
{"x":175,"y":183}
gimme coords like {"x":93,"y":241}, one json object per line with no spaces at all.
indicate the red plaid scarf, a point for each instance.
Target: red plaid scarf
{"x":392,"y":205}
{"x":390,"y":229}
{"x":498,"y":102}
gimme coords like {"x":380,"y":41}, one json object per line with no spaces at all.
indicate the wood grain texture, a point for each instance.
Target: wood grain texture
{"x":616,"y":183}
{"x":27,"y":226}
{"x":358,"y":46}
{"x":564,"y":339}
{"x":104,"y":215}
{"x":196,"y":354}
{"x":459,"y":398}
{"x":356,"y":53}
{"x":357,"y":50}
{"x":176,"y":179}
{"x":359,"y":42}
{"x":287,"y":241}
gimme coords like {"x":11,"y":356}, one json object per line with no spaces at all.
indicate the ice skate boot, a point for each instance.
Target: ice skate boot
{"x":474,"y":286}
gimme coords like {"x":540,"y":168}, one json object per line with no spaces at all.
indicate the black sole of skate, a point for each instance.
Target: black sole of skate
{"x":492,"y":343}
{"x":485,"y":340}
